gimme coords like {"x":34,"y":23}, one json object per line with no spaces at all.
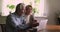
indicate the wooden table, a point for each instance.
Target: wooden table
{"x":53,"y":27}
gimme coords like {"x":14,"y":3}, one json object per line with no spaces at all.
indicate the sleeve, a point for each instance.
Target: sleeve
{"x":11,"y":22}
{"x":15,"y":24}
{"x":31,"y":19}
{"x":33,"y":22}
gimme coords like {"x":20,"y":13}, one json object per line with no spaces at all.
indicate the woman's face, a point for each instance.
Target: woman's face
{"x":29,"y":10}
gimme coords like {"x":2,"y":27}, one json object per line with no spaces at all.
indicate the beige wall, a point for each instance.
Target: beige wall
{"x":54,"y":7}
{"x":0,"y":6}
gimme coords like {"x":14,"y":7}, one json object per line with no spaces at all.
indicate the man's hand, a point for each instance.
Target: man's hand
{"x":33,"y":24}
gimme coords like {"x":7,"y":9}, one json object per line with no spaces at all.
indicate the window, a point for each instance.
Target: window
{"x":38,"y":5}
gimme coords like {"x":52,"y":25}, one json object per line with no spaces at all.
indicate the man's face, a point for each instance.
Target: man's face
{"x":21,"y":11}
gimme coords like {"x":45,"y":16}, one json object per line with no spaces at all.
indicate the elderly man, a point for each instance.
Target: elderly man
{"x":15,"y":21}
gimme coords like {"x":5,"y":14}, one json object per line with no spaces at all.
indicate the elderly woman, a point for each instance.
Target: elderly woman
{"x":30,"y":18}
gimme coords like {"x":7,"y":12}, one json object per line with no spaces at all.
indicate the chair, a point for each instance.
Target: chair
{"x":2,"y":27}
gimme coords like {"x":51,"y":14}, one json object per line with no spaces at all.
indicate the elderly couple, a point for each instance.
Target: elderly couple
{"x":21,"y":19}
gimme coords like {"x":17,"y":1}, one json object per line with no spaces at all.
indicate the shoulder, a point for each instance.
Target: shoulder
{"x":10,"y":15}
{"x":31,"y":15}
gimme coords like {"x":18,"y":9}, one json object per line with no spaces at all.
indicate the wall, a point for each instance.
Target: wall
{"x":0,"y":6}
{"x":54,"y":7}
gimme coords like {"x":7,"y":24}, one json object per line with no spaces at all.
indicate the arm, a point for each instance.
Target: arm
{"x":31,"y":19}
{"x":33,"y":22}
{"x":12,"y":22}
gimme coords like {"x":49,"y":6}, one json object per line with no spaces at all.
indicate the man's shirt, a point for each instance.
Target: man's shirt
{"x":15,"y":22}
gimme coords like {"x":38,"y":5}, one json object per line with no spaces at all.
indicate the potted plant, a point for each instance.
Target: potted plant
{"x":11,"y":7}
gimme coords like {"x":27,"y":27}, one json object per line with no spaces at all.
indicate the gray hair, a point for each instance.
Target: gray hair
{"x":19,"y":7}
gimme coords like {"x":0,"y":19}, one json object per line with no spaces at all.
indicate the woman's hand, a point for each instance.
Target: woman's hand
{"x":35,"y":23}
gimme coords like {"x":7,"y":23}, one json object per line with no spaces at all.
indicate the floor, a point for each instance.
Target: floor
{"x":50,"y":31}
{"x":50,"y":28}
